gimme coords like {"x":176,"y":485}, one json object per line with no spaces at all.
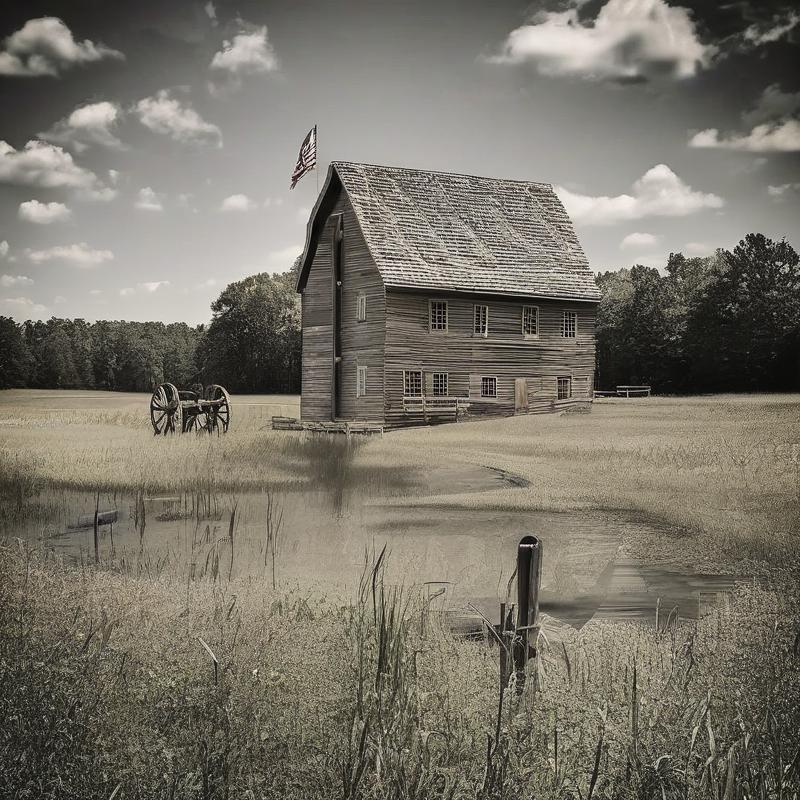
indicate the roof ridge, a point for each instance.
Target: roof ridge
{"x":441,"y":172}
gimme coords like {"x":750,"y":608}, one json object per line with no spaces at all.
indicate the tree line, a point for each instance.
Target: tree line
{"x":727,"y":322}
{"x":251,"y":345}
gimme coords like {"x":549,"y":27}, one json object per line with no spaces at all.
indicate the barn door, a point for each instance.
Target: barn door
{"x":520,"y":395}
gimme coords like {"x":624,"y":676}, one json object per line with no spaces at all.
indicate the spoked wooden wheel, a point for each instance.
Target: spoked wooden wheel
{"x":197,"y":423}
{"x":219,"y":414}
{"x":166,"y":413}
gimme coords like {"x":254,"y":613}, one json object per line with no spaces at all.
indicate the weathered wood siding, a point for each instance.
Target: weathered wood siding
{"x":505,"y":353}
{"x":362,"y":343}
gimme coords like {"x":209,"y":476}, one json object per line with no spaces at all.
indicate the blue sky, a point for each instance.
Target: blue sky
{"x":147,"y":148}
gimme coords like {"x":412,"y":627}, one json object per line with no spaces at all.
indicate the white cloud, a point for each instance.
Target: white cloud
{"x":774,"y":126}
{"x":7,"y":281}
{"x":629,"y":40}
{"x":248,"y":53}
{"x":238,"y":202}
{"x":95,"y":292}
{"x":47,"y":166}
{"x":282,"y":260}
{"x":207,"y":284}
{"x":89,"y":124}
{"x":166,"y":115}
{"x":781,"y":190}
{"x":59,"y":299}
{"x":46,"y":46}
{"x":211,"y":12}
{"x":3,"y":248}
{"x":127,"y":291}
{"x":148,"y":200}
{"x":633,"y":240}
{"x":43,"y":213}
{"x":152,"y":286}
{"x":658,"y":193}
{"x":699,"y":249}
{"x":781,"y":137}
{"x":80,"y":255}
{"x":766,"y":33}
{"x":23,"y":307}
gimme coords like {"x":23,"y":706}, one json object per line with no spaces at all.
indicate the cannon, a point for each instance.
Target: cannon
{"x":183,"y":410}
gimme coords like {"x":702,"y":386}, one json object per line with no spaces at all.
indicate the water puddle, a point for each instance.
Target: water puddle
{"x":319,"y":535}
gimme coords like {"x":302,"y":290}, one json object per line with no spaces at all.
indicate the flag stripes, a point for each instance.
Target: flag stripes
{"x":307,"y":160}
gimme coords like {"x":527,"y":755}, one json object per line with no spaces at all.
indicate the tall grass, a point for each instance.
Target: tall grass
{"x":105,"y":683}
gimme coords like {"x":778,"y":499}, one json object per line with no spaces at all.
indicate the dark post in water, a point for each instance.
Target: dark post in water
{"x":529,"y":577}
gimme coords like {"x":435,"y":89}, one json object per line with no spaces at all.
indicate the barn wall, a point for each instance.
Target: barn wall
{"x":504,"y":353}
{"x":362,"y":342}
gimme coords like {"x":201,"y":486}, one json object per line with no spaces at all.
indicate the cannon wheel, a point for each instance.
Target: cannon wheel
{"x":197,"y":422}
{"x":166,"y":412}
{"x":219,"y":417}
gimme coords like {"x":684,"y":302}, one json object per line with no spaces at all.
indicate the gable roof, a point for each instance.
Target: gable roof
{"x":458,"y":233}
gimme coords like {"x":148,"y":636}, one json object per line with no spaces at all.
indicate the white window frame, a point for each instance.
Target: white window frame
{"x":361,"y":381}
{"x":527,"y":310}
{"x":568,"y":379}
{"x":440,"y":376}
{"x":574,"y":316}
{"x":489,"y":378}
{"x":431,"y":304}
{"x":475,"y":324}
{"x":407,"y":383}
{"x":361,"y":307}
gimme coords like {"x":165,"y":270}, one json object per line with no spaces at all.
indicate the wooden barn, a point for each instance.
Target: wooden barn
{"x":429,"y":296}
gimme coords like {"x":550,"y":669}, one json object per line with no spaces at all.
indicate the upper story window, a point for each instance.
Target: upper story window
{"x":361,"y":307}
{"x":564,"y":388}
{"x":481,"y":321}
{"x":412,"y":383}
{"x":361,"y":382}
{"x":438,"y":315}
{"x":569,"y":325}
{"x":530,"y":321}
{"x":488,"y":386}
{"x":439,"y":384}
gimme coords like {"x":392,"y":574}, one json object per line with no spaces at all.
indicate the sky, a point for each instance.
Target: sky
{"x":146,"y":148}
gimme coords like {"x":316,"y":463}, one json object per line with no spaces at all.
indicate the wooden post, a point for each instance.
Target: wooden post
{"x":529,"y":578}
{"x":96,"y":527}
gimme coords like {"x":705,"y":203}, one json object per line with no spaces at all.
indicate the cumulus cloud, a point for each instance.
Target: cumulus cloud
{"x":698,"y":249}
{"x":166,"y":115}
{"x":148,"y":200}
{"x":3,"y":248}
{"x":248,"y":53}
{"x":9,"y":281}
{"x":629,"y":40}
{"x":761,"y":33}
{"x":782,"y":190}
{"x":634,"y":240}
{"x":775,"y":126}
{"x":658,"y":193}
{"x":211,"y":12}
{"x":46,"y":46}
{"x":152,"y":286}
{"x":23,"y":307}
{"x":127,"y":291}
{"x":43,"y":213}
{"x":238,"y":202}
{"x":48,"y":166}
{"x":79,"y":255}
{"x":89,"y":124}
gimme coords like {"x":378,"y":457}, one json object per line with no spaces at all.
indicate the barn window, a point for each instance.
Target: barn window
{"x":564,"y":388}
{"x":438,"y":315}
{"x":569,"y":326}
{"x":440,"y":384}
{"x":412,"y":383}
{"x":361,"y":307}
{"x":488,"y":386}
{"x":361,"y":382}
{"x":530,"y":321}
{"x":481,"y":321}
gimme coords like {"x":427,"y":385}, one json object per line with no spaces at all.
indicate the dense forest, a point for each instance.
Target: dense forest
{"x":251,"y":345}
{"x":727,"y":322}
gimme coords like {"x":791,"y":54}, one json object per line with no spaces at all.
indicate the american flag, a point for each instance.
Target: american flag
{"x":307,"y":160}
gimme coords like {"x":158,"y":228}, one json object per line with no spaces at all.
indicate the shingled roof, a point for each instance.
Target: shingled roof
{"x":459,"y":233}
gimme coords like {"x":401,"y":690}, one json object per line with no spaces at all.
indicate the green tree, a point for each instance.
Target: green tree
{"x":16,"y":361}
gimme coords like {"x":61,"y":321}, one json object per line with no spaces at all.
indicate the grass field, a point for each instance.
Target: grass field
{"x":113,"y":683}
